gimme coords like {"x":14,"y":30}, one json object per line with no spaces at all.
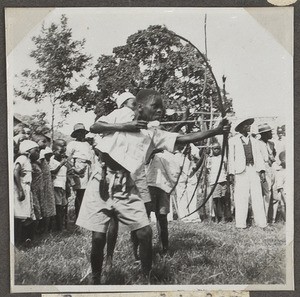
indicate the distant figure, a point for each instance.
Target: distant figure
{"x":19,"y":136}
{"x":246,"y":170}
{"x":268,"y":152}
{"x":59,"y":175}
{"x":281,"y":187}
{"x":80,"y":155}
{"x":219,"y":194}
{"x":23,"y":203}
{"x":279,"y":142}
{"x":47,"y":201}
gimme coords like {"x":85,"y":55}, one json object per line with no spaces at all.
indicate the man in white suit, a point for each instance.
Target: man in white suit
{"x":246,"y":170}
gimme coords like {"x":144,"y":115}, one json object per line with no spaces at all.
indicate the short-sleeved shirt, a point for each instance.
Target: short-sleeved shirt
{"x":213,"y":165}
{"x":79,"y":149}
{"x":163,"y":171}
{"x":24,"y":209}
{"x":26,"y":169}
{"x":60,"y":179}
{"x":131,"y":150}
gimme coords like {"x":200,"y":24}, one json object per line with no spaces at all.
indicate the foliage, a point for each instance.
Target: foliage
{"x":156,"y":58}
{"x":37,"y":123}
{"x":60,"y":64}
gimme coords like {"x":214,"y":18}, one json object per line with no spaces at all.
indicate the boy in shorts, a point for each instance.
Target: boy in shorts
{"x":95,"y":211}
{"x":218,"y":197}
{"x":126,"y":103}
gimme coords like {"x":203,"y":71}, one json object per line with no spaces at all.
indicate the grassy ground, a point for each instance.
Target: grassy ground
{"x":200,"y":253}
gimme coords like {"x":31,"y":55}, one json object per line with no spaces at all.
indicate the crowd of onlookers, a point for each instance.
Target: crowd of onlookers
{"x":128,"y":165}
{"x":47,"y":175}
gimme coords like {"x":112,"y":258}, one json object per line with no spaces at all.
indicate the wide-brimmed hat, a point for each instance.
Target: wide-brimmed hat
{"x":241,"y":122}
{"x":264,"y":128}
{"x":78,"y":127}
{"x":123,"y":97}
{"x":27,"y":145}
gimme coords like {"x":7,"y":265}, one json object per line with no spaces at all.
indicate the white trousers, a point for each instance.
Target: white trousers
{"x":247,"y":184}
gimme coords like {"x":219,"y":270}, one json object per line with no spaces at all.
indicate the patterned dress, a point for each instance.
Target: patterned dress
{"x":37,"y":189}
{"x":48,"y":201}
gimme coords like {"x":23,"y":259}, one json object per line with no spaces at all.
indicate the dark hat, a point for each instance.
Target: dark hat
{"x":264,"y":128}
{"x":78,"y":127}
{"x":248,"y":121}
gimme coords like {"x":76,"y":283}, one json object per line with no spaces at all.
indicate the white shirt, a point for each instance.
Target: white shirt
{"x":245,"y":139}
{"x":60,"y":179}
{"x":213,"y":166}
{"x":80,"y":150}
{"x":132,"y":149}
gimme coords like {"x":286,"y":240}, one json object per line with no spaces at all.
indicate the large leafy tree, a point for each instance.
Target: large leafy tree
{"x":60,"y":63}
{"x":157,"y":58}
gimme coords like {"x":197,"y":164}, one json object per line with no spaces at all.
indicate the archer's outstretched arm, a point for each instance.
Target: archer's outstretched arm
{"x":102,"y":127}
{"x":222,"y":128}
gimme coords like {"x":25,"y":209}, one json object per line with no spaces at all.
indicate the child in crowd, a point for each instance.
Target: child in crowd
{"x":47,"y":201}
{"x":19,"y":136}
{"x":23,"y":204}
{"x":281,"y":187}
{"x":186,"y":191}
{"x":219,"y":194}
{"x":58,"y":170}
{"x":37,"y":188}
{"x":80,"y":156}
{"x":96,"y":211}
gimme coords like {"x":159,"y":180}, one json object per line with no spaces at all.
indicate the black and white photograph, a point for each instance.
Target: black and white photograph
{"x":150,"y":148}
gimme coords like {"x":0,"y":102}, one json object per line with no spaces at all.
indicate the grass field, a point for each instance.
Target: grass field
{"x":200,"y":253}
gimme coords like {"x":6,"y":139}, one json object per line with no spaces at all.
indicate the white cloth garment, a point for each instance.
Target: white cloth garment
{"x":247,"y":182}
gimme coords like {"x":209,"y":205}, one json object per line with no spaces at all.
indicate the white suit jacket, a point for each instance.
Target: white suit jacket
{"x":237,"y":158}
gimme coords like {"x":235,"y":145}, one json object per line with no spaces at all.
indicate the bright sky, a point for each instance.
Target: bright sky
{"x":252,"y":49}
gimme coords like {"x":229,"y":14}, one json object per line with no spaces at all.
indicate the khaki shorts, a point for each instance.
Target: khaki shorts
{"x":60,"y":196}
{"x":160,"y":201}
{"x":95,"y":213}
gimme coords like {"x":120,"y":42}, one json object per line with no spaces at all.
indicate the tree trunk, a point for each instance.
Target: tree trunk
{"x":52,"y":121}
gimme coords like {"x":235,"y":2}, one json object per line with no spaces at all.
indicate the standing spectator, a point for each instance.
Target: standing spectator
{"x":58,"y":170}
{"x":246,"y":169}
{"x":37,"y":188}
{"x":183,"y":191}
{"x":279,"y":142}
{"x":47,"y":202}
{"x":268,"y":152}
{"x":281,"y":187}
{"x":80,"y":155}
{"x":219,"y":194}
{"x":23,"y":204}
{"x":19,"y":136}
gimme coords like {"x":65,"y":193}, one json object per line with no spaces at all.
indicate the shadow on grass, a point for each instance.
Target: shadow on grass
{"x":190,"y":241}
{"x":39,"y":239}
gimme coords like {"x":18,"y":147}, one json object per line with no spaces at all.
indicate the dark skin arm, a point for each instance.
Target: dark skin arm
{"x":17,"y":178}
{"x":262,"y":176}
{"x":197,"y":136}
{"x":62,"y":163}
{"x":134,"y":126}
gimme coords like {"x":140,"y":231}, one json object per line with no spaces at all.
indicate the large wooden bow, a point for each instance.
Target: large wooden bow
{"x":225,"y":135}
